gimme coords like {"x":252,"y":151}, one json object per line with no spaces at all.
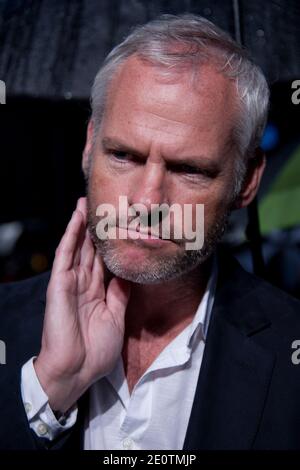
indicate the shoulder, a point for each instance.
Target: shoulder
{"x":22,"y":306}
{"x":14,"y":294}
{"x":245,"y":292}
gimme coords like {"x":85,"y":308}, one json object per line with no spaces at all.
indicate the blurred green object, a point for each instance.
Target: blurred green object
{"x":280,"y":207}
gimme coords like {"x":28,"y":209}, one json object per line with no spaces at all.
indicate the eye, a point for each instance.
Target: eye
{"x":192,"y":170}
{"x":119,"y":155}
{"x":186,"y":169}
{"x":121,"y":158}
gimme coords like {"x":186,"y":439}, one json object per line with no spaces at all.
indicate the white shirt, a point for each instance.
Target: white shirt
{"x":155,"y":415}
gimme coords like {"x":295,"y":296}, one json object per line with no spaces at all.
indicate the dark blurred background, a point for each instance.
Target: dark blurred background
{"x":50,"y":52}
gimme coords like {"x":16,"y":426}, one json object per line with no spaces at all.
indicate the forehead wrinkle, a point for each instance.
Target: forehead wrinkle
{"x":185,"y":124}
{"x":154,"y":128}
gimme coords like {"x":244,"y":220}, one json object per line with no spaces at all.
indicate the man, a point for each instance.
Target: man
{"x":139,"y":343}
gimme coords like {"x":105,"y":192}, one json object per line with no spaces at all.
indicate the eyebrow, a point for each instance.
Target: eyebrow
{"x":113,"y":144}
{"x":199,"y":161}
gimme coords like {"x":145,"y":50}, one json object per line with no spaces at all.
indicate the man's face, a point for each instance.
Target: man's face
{"x":163,"y":141}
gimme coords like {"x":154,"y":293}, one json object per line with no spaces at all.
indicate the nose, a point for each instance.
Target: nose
{"x":150,"y":188}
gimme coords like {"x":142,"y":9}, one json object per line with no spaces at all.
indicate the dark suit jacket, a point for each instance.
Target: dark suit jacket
{"x":248,"y":392}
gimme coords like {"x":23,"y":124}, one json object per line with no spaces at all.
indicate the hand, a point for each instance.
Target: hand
{"x":84,"y":325}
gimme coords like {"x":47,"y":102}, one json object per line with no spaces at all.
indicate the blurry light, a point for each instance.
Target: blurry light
{"x":270,"y":138}
{"x":9,"y":235}
{"x":38,"y":262}
{"x":260,"y":33}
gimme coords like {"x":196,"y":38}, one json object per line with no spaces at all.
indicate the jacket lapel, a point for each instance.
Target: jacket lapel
{"x":236,"y":371}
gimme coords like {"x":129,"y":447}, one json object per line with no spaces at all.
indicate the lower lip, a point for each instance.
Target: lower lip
{"x":143,"y":237}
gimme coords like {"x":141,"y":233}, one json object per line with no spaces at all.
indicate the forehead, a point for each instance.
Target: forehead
{"x":178,"y":107}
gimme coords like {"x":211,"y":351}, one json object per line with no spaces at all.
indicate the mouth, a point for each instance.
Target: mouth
{"x":143,"y":236}
{"x":148,"y":234}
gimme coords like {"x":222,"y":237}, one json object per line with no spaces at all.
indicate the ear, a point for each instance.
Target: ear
{"x":88,"y":147}
{"x":256,"y":166}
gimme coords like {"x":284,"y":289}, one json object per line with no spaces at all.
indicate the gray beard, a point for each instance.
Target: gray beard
{"x":158,"y":268}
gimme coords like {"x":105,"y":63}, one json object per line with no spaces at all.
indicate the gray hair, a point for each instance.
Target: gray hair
{"x":199,"y":41}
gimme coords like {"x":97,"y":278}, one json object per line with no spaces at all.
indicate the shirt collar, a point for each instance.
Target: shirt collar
{"x":203,"y":313}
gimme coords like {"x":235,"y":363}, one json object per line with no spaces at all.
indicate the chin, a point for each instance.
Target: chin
{"x":153,"y":275}
{"x":145,"y":267}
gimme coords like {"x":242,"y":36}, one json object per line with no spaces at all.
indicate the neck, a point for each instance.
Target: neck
{"x":156,"y":314}
{"x":157,"y":308}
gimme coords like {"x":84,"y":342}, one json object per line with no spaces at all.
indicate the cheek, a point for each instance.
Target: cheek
{"x":216,"y":203}
{"x":105,"y":187}
{"x":215,"y":210}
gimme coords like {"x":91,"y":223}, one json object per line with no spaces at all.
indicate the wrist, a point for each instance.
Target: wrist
{"x":62,"y":391}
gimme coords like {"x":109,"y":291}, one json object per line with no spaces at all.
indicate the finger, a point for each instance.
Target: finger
{"x":98,"y":267}
{"x":98,"y":275}
{"x":117,"y":297}
{"x":76,"y":257}
{"x":102,"y":270}
{"x":82,"y":207}
{"x":67,"y":248}
{"x":80,"y":235}
{"x":87,"y":252}
{"x":79,"y":244}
